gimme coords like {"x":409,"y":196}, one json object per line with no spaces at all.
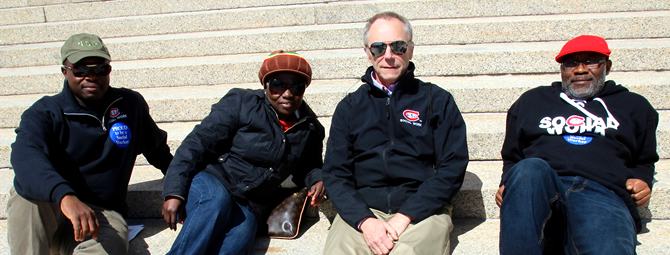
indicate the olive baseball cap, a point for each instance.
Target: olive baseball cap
{"x":81,"y":46}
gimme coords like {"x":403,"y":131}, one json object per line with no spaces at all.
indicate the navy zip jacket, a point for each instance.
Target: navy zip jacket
{"x":242,"y":143}
{"x":393,"y":153}
{"x":611,"y":140}
{"x":62,"y":148}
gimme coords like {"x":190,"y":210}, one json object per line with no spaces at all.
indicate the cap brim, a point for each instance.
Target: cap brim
{"x":76,"y":57}
{"x":304,"y":75}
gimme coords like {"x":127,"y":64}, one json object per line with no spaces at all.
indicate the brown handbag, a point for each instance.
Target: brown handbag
{"x":284,"y":221}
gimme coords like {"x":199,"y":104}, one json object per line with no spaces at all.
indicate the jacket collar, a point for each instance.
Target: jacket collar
{"x":367,"y":78}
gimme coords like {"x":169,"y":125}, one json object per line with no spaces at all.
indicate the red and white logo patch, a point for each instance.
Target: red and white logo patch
{"x":114,"y":112}
{"x":411,"y":115}
{"x":575,"y":121}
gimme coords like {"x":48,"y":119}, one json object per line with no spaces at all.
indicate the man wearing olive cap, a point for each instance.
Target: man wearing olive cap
{"x":73,"y":157}
{"x":578,"y":160}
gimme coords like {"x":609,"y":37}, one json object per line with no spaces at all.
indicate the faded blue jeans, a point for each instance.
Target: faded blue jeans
{"x":543,"y":213}
{"x":215,"y":223}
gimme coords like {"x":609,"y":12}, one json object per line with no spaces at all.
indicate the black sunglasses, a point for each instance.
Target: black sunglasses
{"x":589,"y":64}
{"x":379,"y":48}
{"x":277,"y":87}
{"x":84,"y":70}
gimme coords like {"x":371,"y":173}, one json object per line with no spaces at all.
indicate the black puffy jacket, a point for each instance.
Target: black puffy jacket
{"x":242,"y":143}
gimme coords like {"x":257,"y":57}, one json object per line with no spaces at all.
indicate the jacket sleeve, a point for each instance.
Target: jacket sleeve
{"x":338,"y":175}
{"x":309,"y":171}
{"x":451,"y":160}
{"x":154,"y":141}
{"x":205,"y":141}
{"x":36,"y":144}
{"x":512,"y":149}
{"x":647,"y":155}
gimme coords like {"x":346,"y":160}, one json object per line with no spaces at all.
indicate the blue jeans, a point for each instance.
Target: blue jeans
{"x":215,"y":223}
{"x":543,"y":213}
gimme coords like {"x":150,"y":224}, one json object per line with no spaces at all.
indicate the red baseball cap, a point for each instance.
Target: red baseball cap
{"x":582,"y":43}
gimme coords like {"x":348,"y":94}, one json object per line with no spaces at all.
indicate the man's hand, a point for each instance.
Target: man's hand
{"x":499,"y":195}
{"x":318,"y":194}
{"x":173,"y":210}
{"x":399,"y":222}
{"x":639,"y":190}
{"x":379,"y":235}
{"x":82,"y":217}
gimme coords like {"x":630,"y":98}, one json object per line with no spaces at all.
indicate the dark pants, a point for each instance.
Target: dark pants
{"x":543,"y":213}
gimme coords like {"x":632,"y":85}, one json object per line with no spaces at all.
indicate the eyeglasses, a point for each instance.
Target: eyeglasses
{"x":589,"y":64}
{"x":84,"y":70}
{"x":277,"y":87}
{"x":379,"y":48}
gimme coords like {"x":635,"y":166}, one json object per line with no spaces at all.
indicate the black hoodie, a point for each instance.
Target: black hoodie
{"x":611,"y":139}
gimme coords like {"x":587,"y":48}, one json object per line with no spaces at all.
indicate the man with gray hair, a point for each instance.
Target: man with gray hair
{"x":396,"y":154}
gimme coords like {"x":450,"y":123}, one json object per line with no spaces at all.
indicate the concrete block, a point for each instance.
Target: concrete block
{"x":13,"y":3}
{"x":110,"y":9}
{"x":161,"y":24}
{"x":21,"y":16}
{"x":360,"y":11}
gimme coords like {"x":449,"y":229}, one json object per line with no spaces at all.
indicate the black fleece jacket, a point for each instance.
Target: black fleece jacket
{"x":616,"y":143}
{"x":242,"y":143}
{"x":395,"y":153}
{"x":63,"y":148}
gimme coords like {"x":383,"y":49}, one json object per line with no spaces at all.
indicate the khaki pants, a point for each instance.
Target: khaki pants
{"x":35,"y":227}
{"x":428,"y":237}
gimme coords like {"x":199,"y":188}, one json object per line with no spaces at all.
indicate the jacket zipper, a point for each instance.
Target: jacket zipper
{"x":102,"y":122}
{"x":391,"y":143}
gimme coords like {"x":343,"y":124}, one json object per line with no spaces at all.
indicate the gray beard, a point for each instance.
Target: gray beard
{"x":595,"y":88}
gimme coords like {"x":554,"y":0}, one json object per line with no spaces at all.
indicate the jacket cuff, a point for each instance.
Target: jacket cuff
{"x":313,"y":177}
{"x":59,"y":192}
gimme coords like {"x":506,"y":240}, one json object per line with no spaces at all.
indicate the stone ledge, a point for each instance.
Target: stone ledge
{"x":475,"y":200}
{"x":468,"y":237}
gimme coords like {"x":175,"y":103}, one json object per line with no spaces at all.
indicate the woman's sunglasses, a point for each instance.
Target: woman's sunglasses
{"x":277,"y":87}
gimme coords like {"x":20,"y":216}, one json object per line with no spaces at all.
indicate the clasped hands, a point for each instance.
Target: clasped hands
{"x":381,"y":235}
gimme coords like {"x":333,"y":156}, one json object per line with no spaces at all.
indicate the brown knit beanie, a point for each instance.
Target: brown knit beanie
{"x":280,"y":61}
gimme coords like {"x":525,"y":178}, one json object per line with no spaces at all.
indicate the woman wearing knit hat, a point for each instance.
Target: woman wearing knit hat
{"x":226,"y":175}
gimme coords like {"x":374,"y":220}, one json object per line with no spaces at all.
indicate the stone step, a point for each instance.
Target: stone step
{"x":54,"y":11}
{"x":469,"y":236}
{"x":620,"y":25}
{"x":491,"y":59}
{"x":485,"y":136}
{"x":136,"y":18}
{"x":475,"y":200}
{"x":473,"y":94}
{"x":30,"y":3}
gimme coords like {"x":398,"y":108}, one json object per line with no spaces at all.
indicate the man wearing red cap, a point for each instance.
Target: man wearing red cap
{"x":396,"y":154}
{"x":578,"y":160}
{"x":225,"y":177}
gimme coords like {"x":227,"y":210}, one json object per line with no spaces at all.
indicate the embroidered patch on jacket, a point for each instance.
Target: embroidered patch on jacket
{"x":120,"y":134}
{"x":577,"y":139}
{"x":411,"y":117}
